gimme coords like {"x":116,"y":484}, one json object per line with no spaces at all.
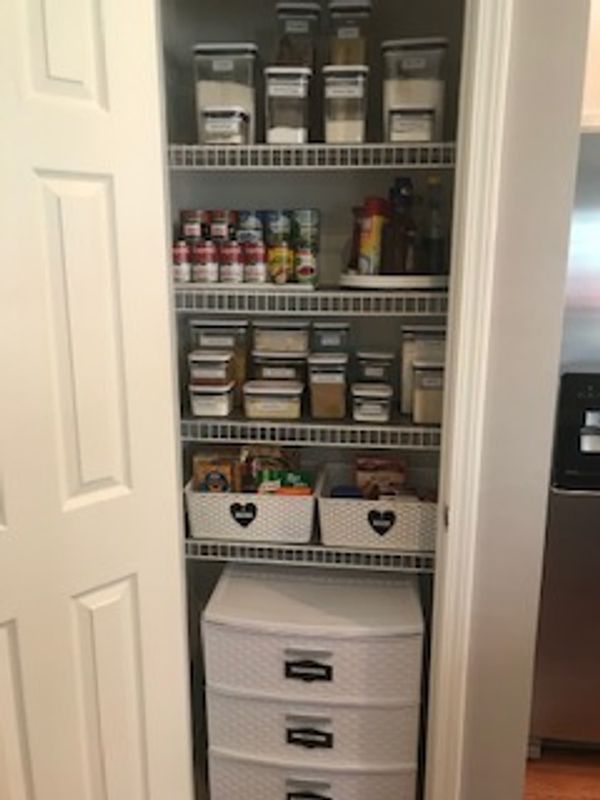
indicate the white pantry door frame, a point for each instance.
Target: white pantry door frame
{"x":518,"y":141}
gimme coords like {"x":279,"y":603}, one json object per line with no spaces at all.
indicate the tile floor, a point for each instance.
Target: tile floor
{"x":564,"y":775}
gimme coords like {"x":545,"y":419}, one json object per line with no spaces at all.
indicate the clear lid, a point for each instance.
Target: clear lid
{"x":376,"y":355}
{"x":438,"y":366}
{"x":222,"y":48}
{"x":272,"y":355}
{"x":219,"y":323}
{"x":288,"y":72}
{"x":328,"y":359}
{"x":278,"y":388}
{"x":214,"y":356}
{"x":331,"y":326}
{"x":195,"y":389}
{"x":415,"y":44}
{"x":374,"y":391}
{"x":283,"y":324}
{"x":298,"y":9}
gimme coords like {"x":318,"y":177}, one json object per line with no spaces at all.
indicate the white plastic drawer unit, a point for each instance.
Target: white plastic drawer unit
{"x":314,"y":635}
{"x":233,"y":777}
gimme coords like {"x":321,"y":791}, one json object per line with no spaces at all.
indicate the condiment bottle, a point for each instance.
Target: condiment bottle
{"x":403,"y":228}
{"x":375,"y":215}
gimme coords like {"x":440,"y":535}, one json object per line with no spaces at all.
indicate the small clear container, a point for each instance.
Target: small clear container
{"x":345,"y":104}
{"x":298,"y":34}
{"x":419,"y":343}
{"x":211,"y":401}
{"x":273,"y":399}
{"x":375,"y":366}
{"x":281,"y":336}
{"x":428,"y":392}
{"x":327,"y":376}
{"x":211,"y":367}
{"x":224,"y":334}
{"x":349,"y":23}
{"x":287,"y":104}
{"x":330,"y":336}
{"x":224,"y":126}
{"x":371,"y":402}
{"x":225,"y":78}
{"x":414,"y":79}
{"x":271,"y":366}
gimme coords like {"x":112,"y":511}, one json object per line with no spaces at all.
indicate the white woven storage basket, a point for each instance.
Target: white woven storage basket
{"x":233,"y":777}
{"x":309,"y":733}
{"x":250,"y":517}
{"x":395,"y":523}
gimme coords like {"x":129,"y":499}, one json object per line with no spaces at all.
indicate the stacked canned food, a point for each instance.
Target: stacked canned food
{"x":252,"y":247}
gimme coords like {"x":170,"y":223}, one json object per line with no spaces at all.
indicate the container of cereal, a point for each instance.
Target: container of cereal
{"x":428,"y":392}
{"x":273,"y":399}
{"x":345,"y":104}
{"x":279,"y":366}
{"x":330,"y":336}
{"x":211,"y":401}
{"x":371,"y":402}
{"x":327,"y":376}
{"x":287,"y":108}
{"x":211,"y":367}
{"x":281,"y":336}
{"x":375,"y":366}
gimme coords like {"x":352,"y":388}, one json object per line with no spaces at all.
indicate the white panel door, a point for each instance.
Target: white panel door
{"x":93,"y":665}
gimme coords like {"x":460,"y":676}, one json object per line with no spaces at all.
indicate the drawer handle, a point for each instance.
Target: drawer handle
{"x":310,"y":738}
{"x":308,"y":671}
{"x":306,"y":796}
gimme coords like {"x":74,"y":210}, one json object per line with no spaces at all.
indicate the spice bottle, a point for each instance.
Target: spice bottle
{"x":375,"y":215}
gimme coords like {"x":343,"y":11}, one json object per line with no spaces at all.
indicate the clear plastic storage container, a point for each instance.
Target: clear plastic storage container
{"x":428,"y":392}
{"x":224,"y":126}
{"x":211,"y":401}
{"x":225,"y":79}
{"x":345,"y":104}
{"x":211,"y":367}
{"x":327,"y":373}
{"x":224,"y":334}
{"x":414,"y":80}
{"x":273,"y":399}
{"x":419,"y":343}
{"x":371,"y":402}
{"x":375,"y":366}
{"x":287,"y":104}
{"x":331,"y":336}
{"x":280,"y":366}
{"x":298,"y":34}
{"x":349,"y":22}
{"x":281,"y":336}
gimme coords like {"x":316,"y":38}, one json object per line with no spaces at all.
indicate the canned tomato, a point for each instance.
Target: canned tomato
{"x":250,"y":227}
{"x":222,"y":224}
{"x":231,"y":265}
{"x":305,"y":265}
{"x":195,"y":223}
{"x":205,"y":262}
{"x":181,"y":262}
{"x":255,"y":262}
{"x":306,"y":224}
{"x":278,"y":227}
{"x":281,"y":263}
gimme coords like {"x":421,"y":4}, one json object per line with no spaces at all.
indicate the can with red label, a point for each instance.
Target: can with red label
{"x":205,"y":262}
{"x":222,"y":224}
{"x":255,"y":262}
{"x":231,"y":264}
{"x":195,"y":224}
{"x":305,"y":265}
{"x":181,"y":262}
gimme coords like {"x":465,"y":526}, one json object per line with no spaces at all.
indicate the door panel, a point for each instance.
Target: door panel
{"x":93,"y":665}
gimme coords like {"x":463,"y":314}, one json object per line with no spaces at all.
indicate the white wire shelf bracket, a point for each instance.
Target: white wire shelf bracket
{"x":339,"y":303}
{"x":186,"y":157}
{"x":311,"y":434}
{"x":309,"y":556}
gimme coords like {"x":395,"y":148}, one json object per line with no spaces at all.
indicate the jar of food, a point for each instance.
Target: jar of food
{"x":287,"y":94}
{"x":225,"y":79}
{"x":281,"y":336}
{"x":330,"y":336}
{"x":419,"y":343}
{"x":223,"y":126}
{"x":211,"y":401}
{"x":411,"y":124}
{"x":255,"y":262}
{"x":305,"y":265}
{"x":223,"y":224}
{"x":211,"y":367}
{"x":279,"y":366}
{"x":278,"y":226}
{"x":375,"y":366}
{"x":414,"y":79}
{"x":195,"y":224}
{"x":428,"y":392}
{"x":349,"y":22}
{"x":306,"y":228}
{"x":182,"y":267}
{"x":280,"y":260}
{"x":371,"y":402}
{"x":327,"y":375}
{"x":224,"y":334}
{"x":231,"y":263}
{"x":345,"y":104}
{"x":205,"y":262}
{"x":298,"y":32}
{"x":250,"y":227}
{"x":273,"y":399}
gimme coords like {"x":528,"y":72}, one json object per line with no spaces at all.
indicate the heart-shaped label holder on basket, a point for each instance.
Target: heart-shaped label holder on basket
{"x":244,"y":514}
{"x":381,"y":521}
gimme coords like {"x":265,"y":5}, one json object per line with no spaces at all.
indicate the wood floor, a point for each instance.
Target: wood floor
{"x":564,"y":775}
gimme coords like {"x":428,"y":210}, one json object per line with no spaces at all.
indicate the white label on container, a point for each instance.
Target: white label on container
{"x":349,"y":32}
{"x":208,"y":373}
{"x":225,"y":126}
{"x":414,"y":62}
{"x":222,"y":65}
{"x":279,"y":373}
{"x":410,"y":128}
{"x":330,"y":339}
{"x":205,"y":273}
{"x":208,"y":340}
{"x":296,"y":26}
{"x":209,"y":406}
{"x":327,"y":377}
{"x":287,"y":89}
{"x":282,"y":406}
{"x":432,"y":383}
{"x":342,"y":89}
{"x":372,"y":409}
{"x":374,"y":372}
{"x":182,"y":273}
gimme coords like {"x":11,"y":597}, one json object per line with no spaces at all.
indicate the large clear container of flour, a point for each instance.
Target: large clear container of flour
{"x":225,"y":78}
{"x":414,"y":81}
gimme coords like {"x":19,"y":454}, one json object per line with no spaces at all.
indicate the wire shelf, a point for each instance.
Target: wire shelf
{"x":309,"y":556}
{"x":311,"y":434}
{"x":312,"y":156}
{"x":340,"y":303}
